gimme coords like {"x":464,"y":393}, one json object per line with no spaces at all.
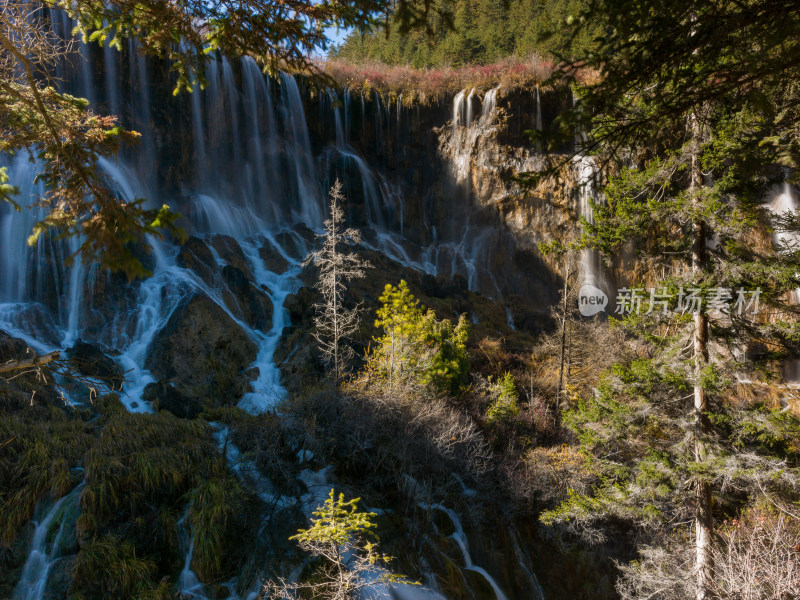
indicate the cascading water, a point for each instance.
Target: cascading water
{"x":489,"y":104}
{"x":593,"y":271}
{"x":781,"y":201}
{"x":238,"y":189}
{"x":460,"y":539}
{"x":458,"y":109}
{"x":44,"y":549}
{"x":244,"y":166}
{"x":468,"y":119}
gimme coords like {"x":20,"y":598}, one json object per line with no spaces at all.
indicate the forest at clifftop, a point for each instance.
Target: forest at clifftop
{"x":496,"y":301}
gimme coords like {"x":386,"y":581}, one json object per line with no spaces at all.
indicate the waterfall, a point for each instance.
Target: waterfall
{"x":346,"y":108}
{"x":592,"y":269}
{"x":783,"y":200}
{"x":260,"y":119}
{"x":489,"y":104}
{"x":44,"y":551}
{"x":399,"y":114}
{"x":378,"y":119}
{"x":468,"y":119}
{"x":239,"y":160}
{"x":460,"y":538}
{"x":458,"y":108}
{"x":237,"y":190}
{"x":110,"y":58}
{"x":304,"y":169}
{"x":538,"y":109}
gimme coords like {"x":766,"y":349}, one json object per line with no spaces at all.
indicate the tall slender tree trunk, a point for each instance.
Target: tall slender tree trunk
{"x":703,"y":517}
{"x":336,"y":333}
{"x":561,"y":359}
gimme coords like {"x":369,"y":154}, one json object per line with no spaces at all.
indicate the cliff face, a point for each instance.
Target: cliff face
{"x":450,"y":171}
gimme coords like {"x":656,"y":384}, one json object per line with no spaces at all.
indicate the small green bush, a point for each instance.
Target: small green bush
{"x":504,"y":408}
{"x":416,"y":349}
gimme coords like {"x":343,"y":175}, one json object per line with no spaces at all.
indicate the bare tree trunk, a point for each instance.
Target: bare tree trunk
{"x":29,"y":363}
{"x":703,"y":517}
{"x":561,"y":359}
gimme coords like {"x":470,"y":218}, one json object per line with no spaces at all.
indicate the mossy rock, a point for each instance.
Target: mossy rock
{"x":203,"y":353}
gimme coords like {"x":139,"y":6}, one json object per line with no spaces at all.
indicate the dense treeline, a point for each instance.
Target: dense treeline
{"x":484,"y":31}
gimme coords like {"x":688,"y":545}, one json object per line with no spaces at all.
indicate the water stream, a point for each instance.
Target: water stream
{"x":782,"y":200}
{"x":45,"y":549}
{"x":248,"y":170}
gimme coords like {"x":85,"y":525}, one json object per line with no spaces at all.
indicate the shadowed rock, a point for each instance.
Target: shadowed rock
{"x":203,"y":353}
{"x":230,"y":251}
{"x":196,"y":256}
{"x":254,"y":305}
{"x":89,"y":360}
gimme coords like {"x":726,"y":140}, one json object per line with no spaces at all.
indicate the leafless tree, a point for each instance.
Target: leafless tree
{"x":756,"y":557}
{"x":337,"y":265}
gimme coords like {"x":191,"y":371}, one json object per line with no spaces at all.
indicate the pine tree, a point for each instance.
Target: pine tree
{"x":692,"y":212}
{"x":694,"y":111}
{"x":504,"y":407}
{"x":349,"y":563}
{"x":400,"y":354}
{"x":337,"y":264}
{"x":416,"y":349}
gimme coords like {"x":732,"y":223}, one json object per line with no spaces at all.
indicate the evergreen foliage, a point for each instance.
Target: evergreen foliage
{"x":348,"y":563}
{"x":416,"y":348}
{"x":636,"y":433}
{"x":694,"y":113}
{"x":483,"y":31}
{"x":662,"y":61}
{"x":504,"y":407}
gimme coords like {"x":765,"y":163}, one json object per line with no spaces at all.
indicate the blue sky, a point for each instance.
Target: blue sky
{"x":336,"y":37}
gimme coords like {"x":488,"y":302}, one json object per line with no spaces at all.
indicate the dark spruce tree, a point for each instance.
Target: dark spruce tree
{"x":694,"y":113}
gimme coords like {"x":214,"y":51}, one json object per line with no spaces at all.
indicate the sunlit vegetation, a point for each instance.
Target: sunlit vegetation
{"x":484,"y":31}
{"x":415,"y":349}
{"x":420,"y":87}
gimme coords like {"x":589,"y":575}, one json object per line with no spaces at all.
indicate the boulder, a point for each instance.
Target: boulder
{"x":107,"y":297}
{"x":305,"y":232}
{"x":89,"y":360}
{"x":22,"y":388}
{"x":253,"y":303}
{"x":203,"y":353}
{"x":164,"y":396}
{"x":196,"y":256}
{"x":273,"y":260}
{"x":230,"y":251}
{"x":300,"y":306}
{"x":292,"y":244}
{"x":12,"y":348}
